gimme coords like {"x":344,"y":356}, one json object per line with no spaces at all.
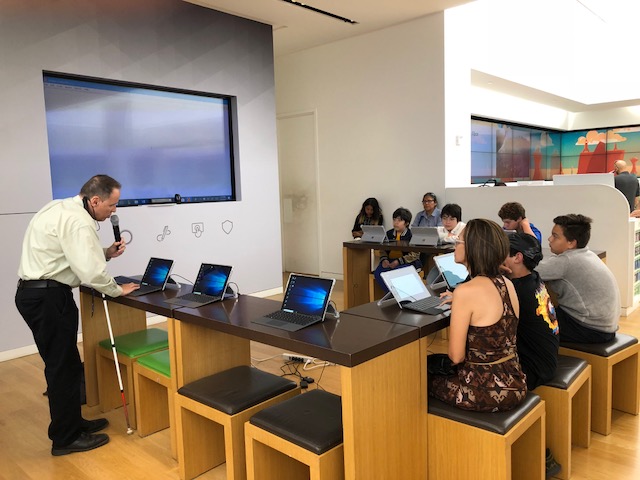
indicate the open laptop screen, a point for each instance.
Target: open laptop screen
{"x":452,"y":272}
{"x":212,"y":279}
{"x":157,"y":272}
{"x":308,"y":295}
{"x":405,"y":284}
{"x":373,"y":233}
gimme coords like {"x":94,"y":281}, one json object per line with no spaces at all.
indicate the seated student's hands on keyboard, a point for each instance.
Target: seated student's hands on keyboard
{"x":446,"y":297}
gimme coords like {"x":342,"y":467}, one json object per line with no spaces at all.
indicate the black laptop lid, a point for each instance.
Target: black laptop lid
{"x":212,"y":279}
{"x":308,"y":295}
{"x":157,"y":272}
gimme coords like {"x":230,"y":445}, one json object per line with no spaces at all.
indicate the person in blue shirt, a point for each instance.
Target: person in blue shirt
{"x":514,"y":218}
{"x":430,"y":216}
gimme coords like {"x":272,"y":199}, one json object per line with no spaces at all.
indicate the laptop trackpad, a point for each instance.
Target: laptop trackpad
{"x":276,"y":323}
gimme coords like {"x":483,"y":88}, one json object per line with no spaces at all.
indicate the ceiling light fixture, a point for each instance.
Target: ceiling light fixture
{"x":323,"y":12}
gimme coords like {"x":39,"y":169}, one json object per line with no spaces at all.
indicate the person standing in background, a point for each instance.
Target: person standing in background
{"x":626,"y":183}
{"x":61,"y":250}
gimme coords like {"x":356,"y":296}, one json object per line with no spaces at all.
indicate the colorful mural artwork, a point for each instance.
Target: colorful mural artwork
{"x":511,"y":153}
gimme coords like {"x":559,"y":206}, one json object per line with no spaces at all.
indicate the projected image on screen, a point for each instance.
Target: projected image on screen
{"x":308,"y":295}
{"x":156,"y":141}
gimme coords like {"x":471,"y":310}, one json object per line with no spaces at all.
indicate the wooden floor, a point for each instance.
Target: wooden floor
{"x":25,"y":448}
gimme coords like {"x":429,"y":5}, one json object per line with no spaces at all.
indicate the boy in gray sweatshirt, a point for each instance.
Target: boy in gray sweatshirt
{"x":588,"y":295}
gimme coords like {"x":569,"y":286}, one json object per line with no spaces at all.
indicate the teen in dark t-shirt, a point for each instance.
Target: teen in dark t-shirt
{"x":538,"y":340}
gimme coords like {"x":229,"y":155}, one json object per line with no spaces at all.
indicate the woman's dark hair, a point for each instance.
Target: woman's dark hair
{"x":575,"y":227}
{"x":101,"y":186}
{"x":377,"y":211}
{"x":452,"y":210}
{"x":486,"y":247}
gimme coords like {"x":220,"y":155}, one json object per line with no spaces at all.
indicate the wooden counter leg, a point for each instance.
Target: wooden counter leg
{"x":202,"y":351}
{"x":356,"y":270}
{"x":384,"y":416}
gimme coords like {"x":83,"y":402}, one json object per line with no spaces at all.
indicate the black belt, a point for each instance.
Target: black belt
{"x":41,"y":284}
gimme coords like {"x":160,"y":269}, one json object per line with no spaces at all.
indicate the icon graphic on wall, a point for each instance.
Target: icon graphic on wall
{"x":124,"y":234}
{"x":165,"y":232}
{"x":227,"y":226}
{"x":197,"y":229}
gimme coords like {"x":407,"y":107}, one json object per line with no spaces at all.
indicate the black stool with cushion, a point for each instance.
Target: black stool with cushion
{"x":210,"y":417}
{"x":615,"y":377}
{"x":501,"y":445}
{"x":298,"y":438}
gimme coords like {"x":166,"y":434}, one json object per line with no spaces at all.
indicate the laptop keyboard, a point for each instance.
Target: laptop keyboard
{"x":292,"y":317}
{"x":424,"y":304}
{"x":120,"y":280}
{"x":198,"y":298}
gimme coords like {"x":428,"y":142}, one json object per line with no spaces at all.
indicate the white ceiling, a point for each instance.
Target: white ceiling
{"x":296,"y":28}
{"x":574,"y":54}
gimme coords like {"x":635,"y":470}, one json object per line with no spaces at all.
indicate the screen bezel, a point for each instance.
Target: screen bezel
{"x":230,"y":137}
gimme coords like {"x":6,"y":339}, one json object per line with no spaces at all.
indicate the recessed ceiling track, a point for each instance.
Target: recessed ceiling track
{"x":323,"y":12}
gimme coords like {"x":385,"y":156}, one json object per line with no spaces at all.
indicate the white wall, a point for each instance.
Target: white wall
{"x":607,"y":207}
{"x":161,"y":42}
{"x":380,"y":107}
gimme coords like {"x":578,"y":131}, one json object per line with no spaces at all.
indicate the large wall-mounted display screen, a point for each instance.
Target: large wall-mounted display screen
{"x":510,"y":152}
{"x":158,"y":142}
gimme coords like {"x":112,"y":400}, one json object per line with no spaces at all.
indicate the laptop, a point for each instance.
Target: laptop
{"x":424,"y":236}
{"x":210,"y":286}
{"x":451,"y":273}
{"x":411,"y":293}
{"x":154,"y":279}
{"x":374,"y":233}
{"x":305,"y":302}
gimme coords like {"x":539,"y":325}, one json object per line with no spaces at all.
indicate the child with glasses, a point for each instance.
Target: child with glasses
{"x":452,"y":223}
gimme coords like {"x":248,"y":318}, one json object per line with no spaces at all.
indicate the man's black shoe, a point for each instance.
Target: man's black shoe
{"x":552,"y":468}
{"x":84,"y":442}
{"x":93,"y":426}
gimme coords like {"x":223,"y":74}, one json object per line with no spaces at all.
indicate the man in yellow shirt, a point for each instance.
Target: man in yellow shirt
{"x":61,"y":250}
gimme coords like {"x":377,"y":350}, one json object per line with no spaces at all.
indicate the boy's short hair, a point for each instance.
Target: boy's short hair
{"x":452,"y":210}
{"x":528,"y":246}
{"x":512,"y":211}
{"x":575,"y":227}
{"x":403,"y":214}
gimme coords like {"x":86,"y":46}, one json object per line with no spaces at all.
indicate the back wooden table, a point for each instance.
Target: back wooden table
{"x":356,"y":258}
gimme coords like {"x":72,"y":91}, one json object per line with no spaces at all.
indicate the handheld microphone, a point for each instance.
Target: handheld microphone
{"x":115,"y":221}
